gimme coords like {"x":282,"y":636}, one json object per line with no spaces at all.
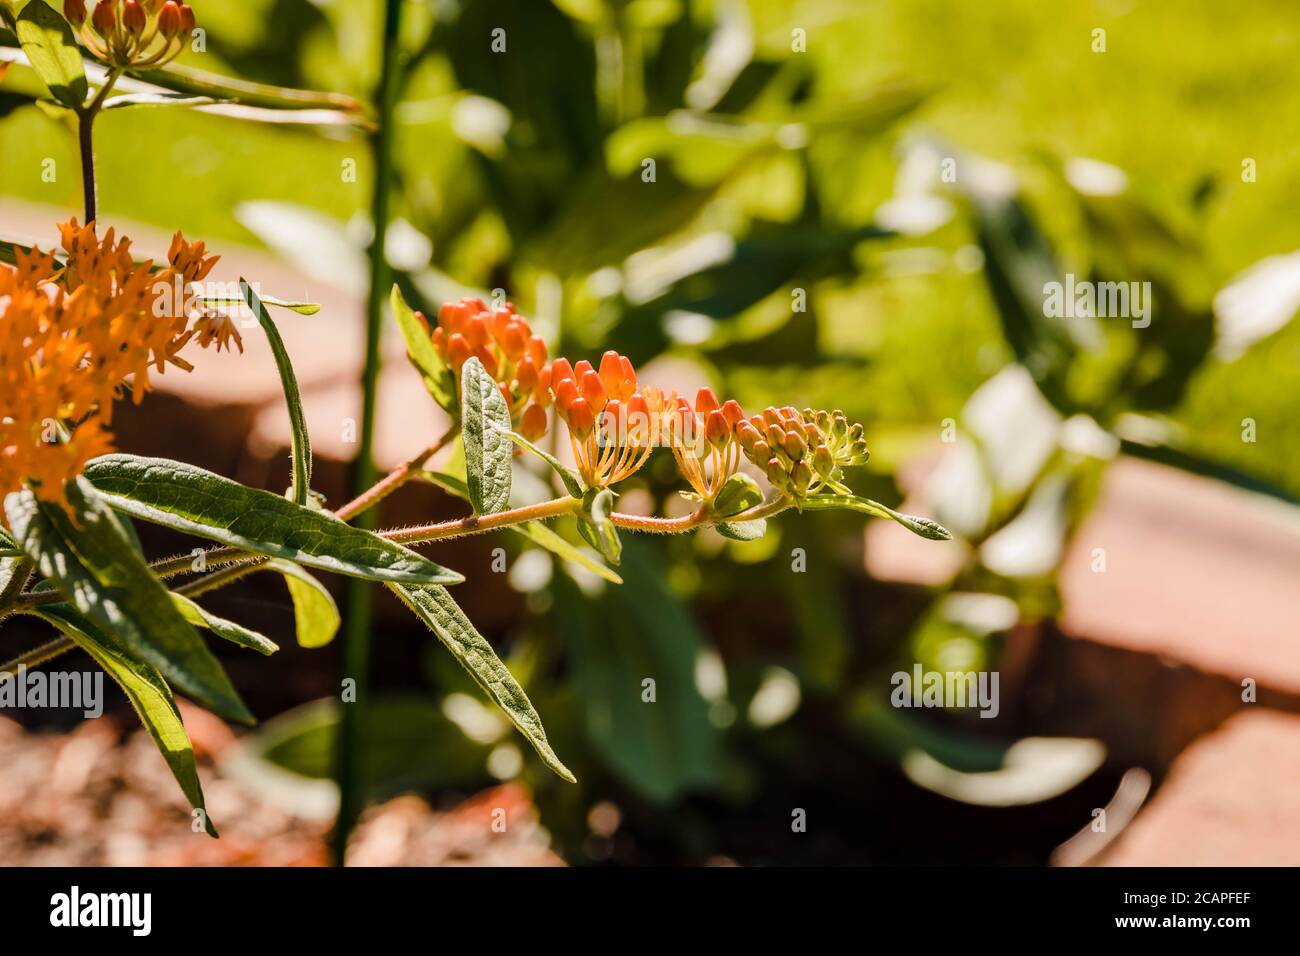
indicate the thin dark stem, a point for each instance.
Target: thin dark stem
{"x":360,"y":603}
{"x":86,"y":138}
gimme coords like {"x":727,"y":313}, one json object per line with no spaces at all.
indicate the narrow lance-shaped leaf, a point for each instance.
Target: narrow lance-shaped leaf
{"x":292,"y":398}
{"x":485,"y":427}
{"x":94,"y":564}
{"x":235,"y":633}
{"x":52,"y":51}
{"x":148,"y":693}
{"x":316,"y":616}
{"x":925,"y":527}
{"x":571,"y":482}
{"x":435,"y":607}
{"x":437,"y":375}
{"x":190,"y":499}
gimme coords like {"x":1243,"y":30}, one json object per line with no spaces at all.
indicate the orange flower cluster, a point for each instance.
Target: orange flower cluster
{"x":613,"y":426}
{"x":504,"y":342}
{"x":133,"y":33}
{"x":71,"y":335}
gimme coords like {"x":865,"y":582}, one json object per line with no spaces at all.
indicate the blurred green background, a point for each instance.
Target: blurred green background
{"x":791,"y":141}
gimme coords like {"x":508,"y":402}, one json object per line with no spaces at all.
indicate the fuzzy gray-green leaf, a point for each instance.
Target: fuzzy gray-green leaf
{"x":92,"y":562}
{"x":435,"y":607}
{"x":485,"y":427}
{"x":190,"y":499}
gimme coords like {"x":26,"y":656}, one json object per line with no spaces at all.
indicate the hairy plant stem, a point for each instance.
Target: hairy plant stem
{"x":38,"y":655}
{"x":85,"y":137}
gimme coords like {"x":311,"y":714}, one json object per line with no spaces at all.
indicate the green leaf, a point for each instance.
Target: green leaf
{"x":485,"y":426}
{"x":93,"y":563}
{"x":596,"y":527}
{"x":742,"y":530}
{"x":302,"y":308}
{"x":739,"y":493}
{"x":544,"y":537}
{"x":534,"y":531}
{"x":52,"y":51}
{"x":127,"y":100}
{"x":187,"y":79}
{"x":292,"y":398}
{"x":316,"y":616}
{"x":435,"y":607}
{"x":925,"y":527}
{"x":235,"y":633}
{"x":571,"y":482}
{"x":147,"y":691}
{"x":438,"y":377}
{"x":186,"y":498}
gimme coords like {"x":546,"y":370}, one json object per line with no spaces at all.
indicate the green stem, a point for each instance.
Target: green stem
{"x":357,"y":637}
{"x":38,"y":655}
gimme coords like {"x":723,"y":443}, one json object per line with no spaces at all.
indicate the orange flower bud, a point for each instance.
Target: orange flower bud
{"x":706,"y":401}
{"x":747,"y":434}
{"x":75,"y":11}
{"x":716,"y":430}
{"x":514,"y":342}
{"x":580,"y":419}
{"x":732,"y":411}
{"x":611,"y":372}
{"x":526,"y":375}
{"x":498,"y":322}
{"x":542,"y":390}
{"x":439,"y":338}
{"x":474,"y":304}
{"x":104,"y":19}
{"x":133,"y":17}
{"x":560,"y":370}
{"x":476,"y":331}
{"x":533,"y":425}
{"x":169,"y":24}
{"x":187,"y":17}
{"x":453,"y":317}
{"x":488,"y":358}
{"x":639,"y":429}
{"x":505,"y":393}
{"x":594,"y":392}
{"x":581,"y":369}
{"x":613,"y":420}
{"x":537,"y":350}
{"x":770,"y":417}
{"x":458,"y":350}
{"x":566,"y":393}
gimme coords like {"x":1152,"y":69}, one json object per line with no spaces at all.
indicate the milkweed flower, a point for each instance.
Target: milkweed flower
{"x":72,"y":336}
{"x":612,"y":428}
{"x":703,"y":441}
{"x":504,"y":342}
{"x":136,"y":34}
{"x":801,"y":452}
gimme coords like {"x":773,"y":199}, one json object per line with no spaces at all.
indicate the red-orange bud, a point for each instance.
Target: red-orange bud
{"x":187,"y":17}
{"x":169,"y":20}
{"x":133,"y":17}
{"x":593,"y":391}
{"x":716,"y":430}
{"x":560,"y":370}
{"x":733,"y":413}
{"x":581,"y":419}
{"x":104,"y":19}
{"x":566,"y":393}
{"x":453,"y":316}
{"x":706,"y":401}
{"x":75,"y":11}
{"x":458,"y":350}
{"x":533,"y":425}
{"x":537,"y":350}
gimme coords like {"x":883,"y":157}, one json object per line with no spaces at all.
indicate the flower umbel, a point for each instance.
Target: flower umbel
{"x":504,"y":342}
{"x":134,"y":34}
{"x":611,"y":428}
{"x":71,"y":336}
